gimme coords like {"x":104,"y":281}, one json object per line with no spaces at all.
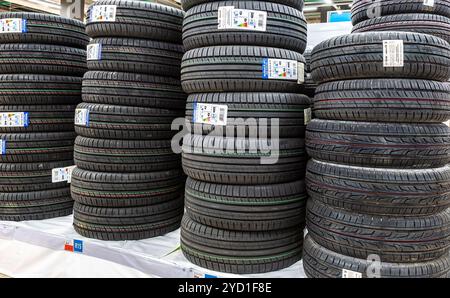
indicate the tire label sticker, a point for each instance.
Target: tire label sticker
{"x":2,"y":147}
{"x":393,"y":54}
{"x":210,"y":114}
{"x":103,"y":13}
{"x":301,"y":73}
{"x":94,"y":52}
{"x":280,"y":69}
{"x":428,"y":3}
{"x":62,"y":174}
{"x":14,"y":119}
{"x":13,"y":26}
{"x":350,"y":274}
{"x":308,"y":115}
{"x":73,"y":246}
{"x":82,"y":117}
{"x":241,"y":19}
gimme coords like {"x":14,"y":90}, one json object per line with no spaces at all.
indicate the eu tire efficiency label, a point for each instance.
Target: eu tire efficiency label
{"x":280,"y":69}
{"x":350,"y":274}
{"x":393,"y":53}
{"x":210,"y":114}
{"x":94,"y":52}
{"x":2,"y":147}
{"x":13,"y":26}
{"x":82,"y":117}
{"x":428,"y":3}
{"x":14,"y":119}
{"x":103,"y":13}
{"x":241,"y":19}
{"x":62,"y":174}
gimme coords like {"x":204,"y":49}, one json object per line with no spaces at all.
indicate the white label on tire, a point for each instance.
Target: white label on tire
{"x":62,"y":174}
{"x":393,"y":55}
{"x":308,"y":115}
{"x":350,"y":274}
{"x":301,"y":73}
{"x":13,"y":26}
{"x":94,"y":52}
{"x":14,"y":119}
{"x":280,"y":69}
{"x":82,"y":117}
{"x":241,"y":19}
{"x":2,"y":147}
{"x":428,"y":3}
{"x":103,"y":13}
{"x":210,"y":114}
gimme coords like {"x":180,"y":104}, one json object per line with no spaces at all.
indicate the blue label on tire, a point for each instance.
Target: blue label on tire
{"x":3,"y":147}
{"x":265,"y":69}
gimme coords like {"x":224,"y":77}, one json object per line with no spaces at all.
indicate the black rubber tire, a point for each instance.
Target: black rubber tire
{"x":188,"y":4}
{"x":138,"y":56}
{"x":379,"y":191}
{"x":126,"y":189}
{"x":234,"y":69}
{"x":30,"y":177}
{"x":285,"y":27}
{"x":42,"y":118}
{"x":29,"y":89}
{"x":435,"y":25}
{"x":319,"y":262}
{"x":384,"y":100}
{"x":246,"y":208}
{"x":240,"y":252}
{"x":124,"y":156}
{"x":363,"y":9}
{"x":130,"y":89}
{"x":360,"y":56}
{"x":48,"y":29}
{"x":37,"y":205}
{"x":387,"y":145}
{"x":138,"y":19}
{"x":42,"y":59}
{"x":127,"y":123}
{"x":37,"y":147}
{"x":289,"y":108}
{"x":204,"y":161}
{"x":395,"y":239}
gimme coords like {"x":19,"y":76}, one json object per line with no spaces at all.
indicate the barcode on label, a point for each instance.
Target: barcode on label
{"x":393,"y":54}
{"x":14,"y":119}
{"x":210,"y":114}
{"x":241,"y":19}
{"x":428,"y":3}
{"x":350,"y":274}
{"x":82,"y":117}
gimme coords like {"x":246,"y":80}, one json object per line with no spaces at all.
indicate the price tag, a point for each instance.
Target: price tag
{"x":82,"y":117}
{"x":428,"y":3}
{"x":103,"y":13}
{"x":210,"y":114}
{"x":241,"y":19}
{"x":393,"y":54}
{"x":13,"y":26}
{"x":350,"y":274}
{"x":94,"y":52}
{"x":2,"y":147}
{"x":62,"y":174}
{"x":280,"y":69}
{"x":14,"y":119}
{"x":308,"y":115}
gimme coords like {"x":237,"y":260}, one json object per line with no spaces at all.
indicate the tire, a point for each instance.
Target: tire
{"x":133,"y":223}
{"x":130,"y":89}
{"x":387,"y":145}
{"x":285,"y":27}
{"x":42,"y":118}
{"x":234,"y":69}
{"x":390,"y":192}
{"x":384,"y":100}
{"x":298,"y":4}
{"x":320,"y":262}
{"x":289,"y":108}
{"x":126,"y":189}
{"x":360,"y":56}
{"x":435,"y":25}
{"x":246,"y":208}
{"x":46,"y":29}
{"x":124,"y":156}
{"x":137,"y":56}
{"x":127,"y":123}
{"x":240,"y":252}
{"x":35,"y":205}
{"x":30,"y":177}
{"x":210,"y":159}
{"x":37,"y":147}
{"x":394,"y":239}
{"x":28,"y":89}
{"x":42,"y":59}
{"x":137,"y":19}
{"x":363,"y":9}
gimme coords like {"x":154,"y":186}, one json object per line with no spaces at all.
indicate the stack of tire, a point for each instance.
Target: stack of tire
{"x":128,"y":184}
{"x":379,"y":183}
{"x":42,"y":62}
{"x":309,"y":87}
{"x":243,"y":214}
